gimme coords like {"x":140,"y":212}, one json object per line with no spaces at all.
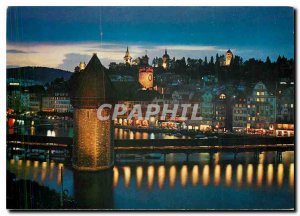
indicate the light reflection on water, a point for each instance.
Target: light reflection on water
{"x":200,"y":175}
{"x":66,"y":131}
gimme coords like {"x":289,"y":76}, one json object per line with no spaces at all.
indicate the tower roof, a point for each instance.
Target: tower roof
{"x":229,"y":51}
{"x":92,"y":86}
{"x":166,"y":54}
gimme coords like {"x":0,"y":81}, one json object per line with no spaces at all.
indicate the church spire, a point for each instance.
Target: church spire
{"x":127,"y":57}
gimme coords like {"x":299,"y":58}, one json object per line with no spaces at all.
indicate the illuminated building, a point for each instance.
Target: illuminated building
{"x":146,"y":77}
{"x":127,"y":57}
{"x":93,"y":139}
{"x":239,"y":113}
{"x":228,"y":58}
{"x":166,"y":60}
{"x":261,"y":107}
{"x":220,"y":111}
{"x":285,"y":104}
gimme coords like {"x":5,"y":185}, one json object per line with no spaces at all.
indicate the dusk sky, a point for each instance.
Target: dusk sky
{"x":61,"y":37}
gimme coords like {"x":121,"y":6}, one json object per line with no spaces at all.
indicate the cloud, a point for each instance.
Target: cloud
{"x":15,"y":51}
{"x":72,"y":60}
{"x":68,"y":55}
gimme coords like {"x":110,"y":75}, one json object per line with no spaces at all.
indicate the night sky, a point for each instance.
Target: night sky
{"x":61,"y":37}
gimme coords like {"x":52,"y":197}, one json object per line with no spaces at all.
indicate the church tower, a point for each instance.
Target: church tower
{"x":166,"y":60}
{"x":93,"y":138}
{"x":127,"y":57}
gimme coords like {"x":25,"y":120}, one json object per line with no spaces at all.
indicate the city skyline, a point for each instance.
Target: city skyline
{"x":73,"y":33}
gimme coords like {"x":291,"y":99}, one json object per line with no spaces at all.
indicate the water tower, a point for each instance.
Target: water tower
{"x":93,"y":139}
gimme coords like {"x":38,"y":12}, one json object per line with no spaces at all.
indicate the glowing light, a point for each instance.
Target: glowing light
{"x":131,"y":135}
{"x":195,"y":175}
{"x":280,"y":174}
{"x":260,"y":174}
{"x":205,"y":175}
{"x":161,"y":176}
{"x":20,"y":162}
{"x":183,"y":175}
{"x":52,"y":165}
{"x":261,"y":158}
{"x":12,"y":161}
{"x":270,"y":174}
{"x":239,"y":175}
{"x":172,"y":176}
{"x":291,"y":175}
{"x":35,"y":164}
{"x":228,"y":175}
{"x":28,"y":162}
{"x":32,"y":131}
{"x":127,"y":176}
{"x":249,"y":174}
{"x":44,"y":172}
{"x":139,"y":176}
{"x":150,"y":173}
{"x":115,"y":176}
{"x":217,"y":175}
{"x":217,"y":158}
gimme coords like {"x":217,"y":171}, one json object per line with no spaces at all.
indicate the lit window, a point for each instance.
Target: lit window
{"x":222,"y":96}
{"x":257,"y":93}
{"x":292,"y":105}
{"x":262,"y":93}
{"x":253,"y":118}
{"x":257,"y":99}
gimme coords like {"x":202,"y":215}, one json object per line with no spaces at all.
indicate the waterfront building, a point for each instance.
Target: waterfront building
{"x":285,"y":104}
{"x":220,"y":111}
{"x":239,"y":113}
{"x":261,"y":107}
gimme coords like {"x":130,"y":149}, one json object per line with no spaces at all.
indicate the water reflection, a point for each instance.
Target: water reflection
{"x":270,"y":175}
{"x":195,"y":175}
{"x":116,"y":176}
{"x":280,"y":174}
{"x":228,"y":175}
{"x":249,"y":174}
{"x":239,"y":175}
{"x":260,"y":173}
{"x":172,"y":176}
{"x":205,"y":177}
{"x":93,"y":190}
{"x":291,"y":175}
{"x":150,"y":174}
{"x":217,"y":175}
{"x":127,"y":176}
{"x":183,"y":175}
{"x":139,"y":176}
{"x":161,"y":176}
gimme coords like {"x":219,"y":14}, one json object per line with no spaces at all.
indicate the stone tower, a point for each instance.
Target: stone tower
{"x":93,"y":139}
{"x":229,"y":57}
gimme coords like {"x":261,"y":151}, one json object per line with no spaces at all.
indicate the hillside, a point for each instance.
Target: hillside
{"x":41,"y":74}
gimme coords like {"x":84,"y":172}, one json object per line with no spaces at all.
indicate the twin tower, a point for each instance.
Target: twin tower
{"x":93,"y":139}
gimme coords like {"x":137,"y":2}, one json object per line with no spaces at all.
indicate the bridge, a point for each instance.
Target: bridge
{"x":163,"y":146}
